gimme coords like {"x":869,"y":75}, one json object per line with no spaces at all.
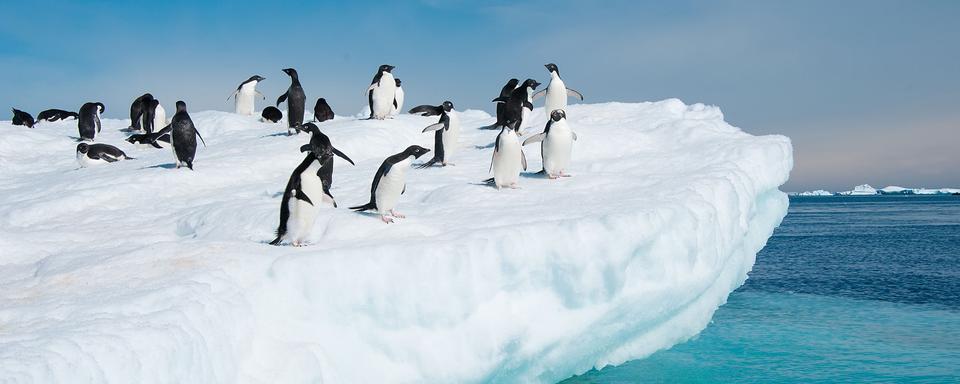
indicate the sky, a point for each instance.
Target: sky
{"x":866,"y":90}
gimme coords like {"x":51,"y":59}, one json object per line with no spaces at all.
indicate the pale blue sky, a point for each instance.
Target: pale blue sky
{"x":867,"y":90}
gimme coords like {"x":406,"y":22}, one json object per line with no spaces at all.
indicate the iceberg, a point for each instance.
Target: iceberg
{"x":861,"y":190}
{"x":819,"y":192}
{"x":136,"y":272}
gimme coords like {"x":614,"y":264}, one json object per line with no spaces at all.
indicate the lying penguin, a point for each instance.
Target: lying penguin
{"x":308,"y":187}
{"x":159,"y":139}
{"x":389,"y":183}
{"x":95,"y":154}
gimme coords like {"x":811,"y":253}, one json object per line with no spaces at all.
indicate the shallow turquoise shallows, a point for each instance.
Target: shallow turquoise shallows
{"x":849,"y":289}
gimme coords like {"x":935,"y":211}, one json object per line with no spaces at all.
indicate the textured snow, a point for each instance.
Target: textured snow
{"x":133,"y":272}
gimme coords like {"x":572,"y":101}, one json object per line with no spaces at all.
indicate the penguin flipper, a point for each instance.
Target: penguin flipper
{"x":574,"y":135}
{"x":535,"y":138}
{"x":523,"y":159}
{"x":540,"y":93}
{"x":155,"y":145}
{"x":234,"y":94}
{"x":261,"y":95}
{"x":425,"y":110}
{"x":282,"y":98}
{"x":528,"y":105}
{"x":108,"y":158}
{"x":574,"y":93}
{"x":501,"y":99}
{"x":302,"y":196}
{"x":435,"y":127}
{"x":201,"y":137}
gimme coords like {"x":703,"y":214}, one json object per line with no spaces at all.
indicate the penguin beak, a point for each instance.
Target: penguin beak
{"x":341,"y":154}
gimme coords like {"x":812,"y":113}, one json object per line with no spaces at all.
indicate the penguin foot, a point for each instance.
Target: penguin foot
{"x":386,"y":219}
{"x":514,"y":186}
{"x":565,"y":174}
{"x":553,"y":177}
{"x":397,"y":215}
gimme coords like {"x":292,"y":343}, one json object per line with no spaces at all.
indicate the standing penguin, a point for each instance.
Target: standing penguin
{"x":381,"y":95}
{"x":508,"y":158}
{"x":514,"y":104}
{"x":505,"y":93}
{"x":445,"y":140}
{"x":556,"y":92}
{"x":148,"y":114}
{"x":557,"y":143}
{"x":309,"y":185}
{"x":159,"y":114}
{"x":136,"y":109}
{"x":183,"y":137}
{"x":52,"y":115}
{"x":322,"y":111}
{"x":89,"y":122}
{"x":389,"y":183}
{"x":296,"y":102}
{"x":22,"y":118}
{"x":245,"y":95}
{"x":398,"y":99}
{"x":94,"y":154}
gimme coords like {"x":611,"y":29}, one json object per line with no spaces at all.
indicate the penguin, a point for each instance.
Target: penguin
{"x":398,"y":99}
{"x":183,"y":137}
{"x":381,"y":95}
{"x":556,"y":92}
{"x":136,"y":109}
{"x":514,"y":104}
{"x":389,"y":184}
{"x":271,"y":114}
{"x":148,"y":114}
{"x":445,"y":140}
{"x":89,"y":122}
{"x":322,"y":111}
{"x":308,"y":187}
{"x":296,"y":102}
{"x":52,"y":115}
{"x":245,"y":95}
{"x":556,"y":144}
{"x":505,"y":93}
{"x":22,"y":118}
{"x":158,"y":139}
{"x":508,"y":158}
{"x":95,"y":154}
{"x":159,"y":114}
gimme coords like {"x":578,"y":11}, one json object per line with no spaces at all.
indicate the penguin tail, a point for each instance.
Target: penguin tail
{"x":276,"y":241}
{"x":429,"y":163}
{"x":488,"y":181}
{"x":365,"y":207}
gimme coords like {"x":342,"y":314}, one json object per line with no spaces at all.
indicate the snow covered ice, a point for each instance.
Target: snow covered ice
{"x":135,"y":272}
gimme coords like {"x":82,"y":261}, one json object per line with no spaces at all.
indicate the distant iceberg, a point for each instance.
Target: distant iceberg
{"x":860,"y":190}
{"x":818,"y":192}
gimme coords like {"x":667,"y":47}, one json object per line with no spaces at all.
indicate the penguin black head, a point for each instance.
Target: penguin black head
{"x":292,"y":72}
{"x":533,"y":84}
{"x":415,"y":151}
{"x":558,"y":114}
{"x":256,"y":78}
{"x":83,"y":148}
{"x":447,"y":106}
{"x":386,"y":68}
{"x":398,"y":81}
{"x":181,"y":106}
{"x":320,"y":145}
{"x":154,"y":103}
{"x":100,"y":107}
{"x":553,"y":68}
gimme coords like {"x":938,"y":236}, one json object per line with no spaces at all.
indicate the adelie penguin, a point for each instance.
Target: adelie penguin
{"x":245,"y":95}
{"x":514,"y":104}
{"x":183,"y":137}
{"x":52,"y":115}
{"x":271,"y":114}
{"x":296,"y":102}
{"x":158,"y":139}
{"x":556,"y":92}
{"x":398,"y":99}
{"x":322,"y":111}
{"x":95,"y":154}
{"x":389,"y":183}
{"x":159,"y":114}
{"x":447,"y":132}
{"x":381,"y":95}
{"x":556,"y":144}
{"x":307,"y":188}
{"x":508,"y":158}
{"x":88,"y":124}
{"x":22,"y":118}
{"x":148,"y":113}
{"x":504,"y":94}
{"x":136,"y":109}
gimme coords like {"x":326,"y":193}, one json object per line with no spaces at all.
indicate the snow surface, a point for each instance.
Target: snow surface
{"x":136,"y":272}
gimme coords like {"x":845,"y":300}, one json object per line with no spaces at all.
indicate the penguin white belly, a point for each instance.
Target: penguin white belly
{"x":556,"y":97}
{"x":303,"y":214}
{"x":86,"y":161}
{"x":525,"y":113}
{"x":507,"y":161}
{"x":245,"y":99}
{"x":399,"y":98}
{"x":390,"y":187}
{"x":451,"y":137}
{"x":557,"y":147}
{"x":383,"y":95}
{"x":159,"y":118}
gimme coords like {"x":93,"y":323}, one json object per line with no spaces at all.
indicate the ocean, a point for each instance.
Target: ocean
{"x":848,"y":289}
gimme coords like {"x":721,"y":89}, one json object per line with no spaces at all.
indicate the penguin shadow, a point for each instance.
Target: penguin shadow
{"x":164,"y":166}
{"x":488,"y":146}
{"x":276,"y":135}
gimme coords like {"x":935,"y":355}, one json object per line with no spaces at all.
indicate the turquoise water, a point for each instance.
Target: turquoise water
{"x":849,"y":289}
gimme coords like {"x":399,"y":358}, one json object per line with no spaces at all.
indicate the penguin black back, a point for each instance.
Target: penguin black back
{"x":271,"y":114}
{"x":88,"y":124}
{"x":148,"y":110}
{"x":322,"y":111}
{"x":183,"y":136}
{"x":55,"y":115}
{"x":505,"y":92}
{"x":296,"y":102}
{"x":136,"y":109}
{"x":514,"y":104}
{"x":22,"y":118}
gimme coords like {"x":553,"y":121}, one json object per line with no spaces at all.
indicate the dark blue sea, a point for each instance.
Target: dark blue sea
{"x":848,"y":289}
